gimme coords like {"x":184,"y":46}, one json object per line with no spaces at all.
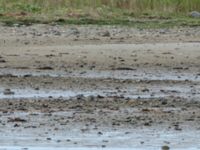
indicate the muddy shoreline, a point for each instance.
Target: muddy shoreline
{"x":76,"y":121}
{"x":52,"y":35}
{"x":88,"y":87}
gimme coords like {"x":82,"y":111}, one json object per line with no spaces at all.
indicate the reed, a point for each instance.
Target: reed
{"x":100,"y":11}
{"x":135,"y":6}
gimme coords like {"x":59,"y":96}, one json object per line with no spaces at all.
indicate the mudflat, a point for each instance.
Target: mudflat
{"x":80,"y":87}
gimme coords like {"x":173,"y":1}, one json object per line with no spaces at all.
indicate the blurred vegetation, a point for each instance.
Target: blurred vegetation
{"x":99,"y":11}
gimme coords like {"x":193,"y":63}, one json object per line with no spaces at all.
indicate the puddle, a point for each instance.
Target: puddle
{"x":155,"y":90}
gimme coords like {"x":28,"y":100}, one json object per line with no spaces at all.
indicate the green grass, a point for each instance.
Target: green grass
{"x":137,"y":13}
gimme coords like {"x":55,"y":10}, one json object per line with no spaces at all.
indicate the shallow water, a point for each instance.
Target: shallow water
{"x":184,"y":92}
{"x":151,"y":74}
{"x":156,"y":90}
{"x":153,"y":140}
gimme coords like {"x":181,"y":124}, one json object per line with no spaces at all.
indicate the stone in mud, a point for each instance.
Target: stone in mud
{"x":177,"y":128}
{"x":195,"y":14}
{"x":2,"y":61}
{"x":165,"y":147}
{"x":8,"y":92}
{"x":145,"y":90}
{"x":147,"y":124}
{"x":27,"y":42}
{"x":100,"y":97}
{"x":57,"y":33}
{"x":37,"y":88}
{"x":91,"y":98}
{"x":16,"y":120}
{"x":80,"y":96}
{"x":106,"y":34}
{"x":125,"y":68}
{"x":58,"y":141}
{"x":49,"y":139}
{"x":16,"y":125}
{"x":27,"y":75}
{"x":45,"y":68}
{"x":163,"y":31}
{"x":100,"y":133}
{"x":75,"y":31}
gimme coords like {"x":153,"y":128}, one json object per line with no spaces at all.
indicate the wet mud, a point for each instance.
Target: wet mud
{"x":57,"y":92}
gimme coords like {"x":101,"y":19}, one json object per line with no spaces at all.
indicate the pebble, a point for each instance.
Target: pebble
{"x":80,"y":96}
{"x":8,"y":92}
{"x":100,"y":133}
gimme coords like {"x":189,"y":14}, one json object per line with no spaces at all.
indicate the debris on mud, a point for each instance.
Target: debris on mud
{"x":195,"y":14}
{"x":165,"y":147}
{"x":8,"y":92}
{"x":76,"y":86}
{"x":16,"y":120}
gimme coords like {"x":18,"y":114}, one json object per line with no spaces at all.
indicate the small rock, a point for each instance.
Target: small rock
{"x":165,"y":147}
{"x":45,"y":68}
{"x":164,"y":102}
{"x":45,"y":105}
{"x":163,"y":31}
{"x":49,"y":139}
{"x":58,"y":141}
{"x":195,"y":14}
{"x":100,"y":97}
{"x":16,"y":125}
{"x":147,"y":124}
{"x":142,"y":142}
{"x":75,"y":31}
{"x":8,"y":92}
{"x":177,"y":128}
{"x":57,"y":33}
{"x":80,"y":96}
{"x":16,"y":120}
{"x":145,"y":90}
{"x":106,"y":34}
{"x":91,"y":98}
{"x":27,"y":42}
{"x":38,"y":34}
{"x":27,"y":75}
{"x":100,"y":133}
{"x":37,"y":88}
{"x":2,"y":61}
